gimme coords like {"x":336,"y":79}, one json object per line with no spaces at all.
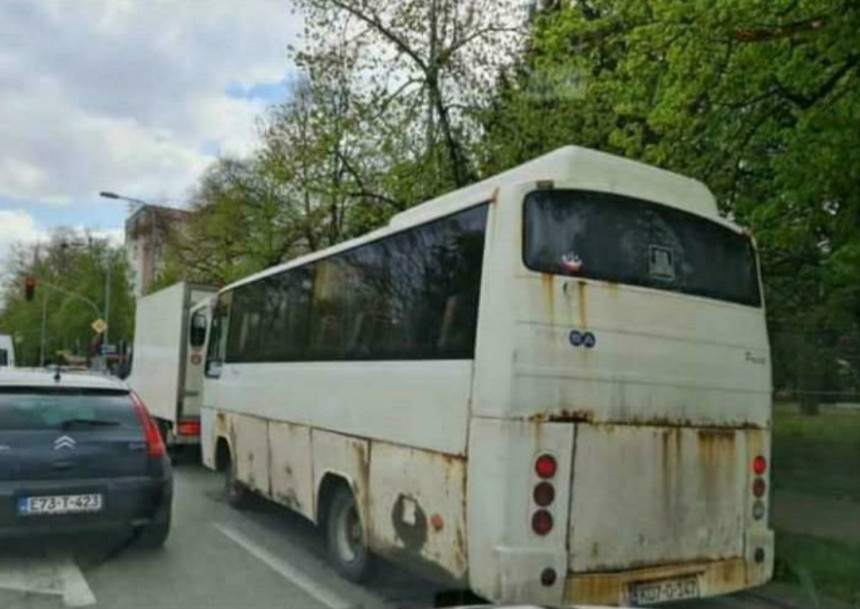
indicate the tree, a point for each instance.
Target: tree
{"x":72,"y":261}
{"x":757,"y":100}
{"x":421,"y":67}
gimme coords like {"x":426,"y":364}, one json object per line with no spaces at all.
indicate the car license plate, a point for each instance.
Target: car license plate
{"x":60,"y":504}
{"x":648,"y":593}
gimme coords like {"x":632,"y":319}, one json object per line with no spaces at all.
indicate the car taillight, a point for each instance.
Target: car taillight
{"x":545,"y":466}
{"x":188,"y":427}
{"x":542,"y":522}
{"x":154,"y":444}
{"x":759,"y":487}
{"x":759,"y":465}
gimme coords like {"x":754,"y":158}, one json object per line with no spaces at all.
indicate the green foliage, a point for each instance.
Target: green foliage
{"x":761,"y":101}
{"x":72,"y":261}
{"x":823,"y":567}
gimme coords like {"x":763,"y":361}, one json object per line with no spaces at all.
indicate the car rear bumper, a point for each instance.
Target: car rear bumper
{"x":127,"y":502}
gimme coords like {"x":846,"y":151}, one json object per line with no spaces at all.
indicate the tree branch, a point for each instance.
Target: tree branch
{"x":807,"y":101}
{"x":783,"y":31}
{"x":375,"y":22}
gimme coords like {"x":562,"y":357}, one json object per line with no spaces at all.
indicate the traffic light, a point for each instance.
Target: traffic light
{"x":29,"y":288}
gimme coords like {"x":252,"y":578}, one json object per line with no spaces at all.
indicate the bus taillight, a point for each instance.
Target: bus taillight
{"x":543,"y":494}
{"x":759,"y":465}
{"x":545,"y":466}
{"x":542,"y":522}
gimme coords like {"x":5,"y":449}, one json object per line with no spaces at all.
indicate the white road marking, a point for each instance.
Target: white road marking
{"x":76,"y":590}
{"x":285,"y":570}
{"x":52,"y":575}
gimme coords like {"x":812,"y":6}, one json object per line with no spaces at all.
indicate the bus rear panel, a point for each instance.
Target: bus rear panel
{"x":638,"y":363}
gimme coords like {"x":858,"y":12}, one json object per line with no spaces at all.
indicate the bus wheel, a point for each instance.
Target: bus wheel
{"x":347,"y":546}
{"x":236,"y":493}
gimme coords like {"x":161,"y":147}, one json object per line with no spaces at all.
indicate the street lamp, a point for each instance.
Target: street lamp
{"x":112,"y":195}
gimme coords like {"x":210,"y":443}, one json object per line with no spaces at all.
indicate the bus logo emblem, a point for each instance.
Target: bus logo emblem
{"x":584,"y":339}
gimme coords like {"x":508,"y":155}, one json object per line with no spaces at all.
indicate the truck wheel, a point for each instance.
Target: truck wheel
{"x":236,"y":493}
{"x":347,"y":547}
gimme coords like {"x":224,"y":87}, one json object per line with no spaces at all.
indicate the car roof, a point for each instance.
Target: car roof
{"x":43,"y":377}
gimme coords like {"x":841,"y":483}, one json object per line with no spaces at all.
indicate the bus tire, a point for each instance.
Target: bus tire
{"x":235,"y":492}
{"x":347,"y":547}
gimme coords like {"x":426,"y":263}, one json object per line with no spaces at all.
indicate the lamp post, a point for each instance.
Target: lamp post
{"x":112,"y":195}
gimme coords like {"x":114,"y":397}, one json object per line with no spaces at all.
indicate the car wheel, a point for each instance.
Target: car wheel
{"x":153,"y":535}
{"x":236,"y":493}
{"x":347,"y":546}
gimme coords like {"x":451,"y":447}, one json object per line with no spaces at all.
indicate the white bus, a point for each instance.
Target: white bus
{"x":550,"y":387}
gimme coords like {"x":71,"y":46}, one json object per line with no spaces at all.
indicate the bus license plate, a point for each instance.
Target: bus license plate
{"x":60,"y":504}
{"x":647,"y":593}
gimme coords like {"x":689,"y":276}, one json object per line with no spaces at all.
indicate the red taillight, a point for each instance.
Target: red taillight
{"x":759,"y":465}
{"x":543,"y":494}
{"x":542,"y":522}
{"x":154,"y":444}
{"x":545,"y":466}
{"x":189,"y":427}
{"x":759,"y":487}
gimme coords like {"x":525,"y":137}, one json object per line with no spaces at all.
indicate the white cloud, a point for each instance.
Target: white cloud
{"x":130,"y":96}
{"x":17,"y":227}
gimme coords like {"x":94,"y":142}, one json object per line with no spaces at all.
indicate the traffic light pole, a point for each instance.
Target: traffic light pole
{"x":44,"y":323}
{"x":70,"y":295}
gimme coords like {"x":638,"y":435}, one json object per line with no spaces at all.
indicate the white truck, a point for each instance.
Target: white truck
{"x":7,"y":351}
{"x":168,"y":355}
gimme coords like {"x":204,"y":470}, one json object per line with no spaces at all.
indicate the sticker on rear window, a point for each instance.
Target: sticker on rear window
{"x":661,"y":262}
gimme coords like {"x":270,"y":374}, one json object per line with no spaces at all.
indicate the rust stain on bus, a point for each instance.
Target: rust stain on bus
{"x":611,"y":588}
{"x":548,"y":295}
{"x":563,"y":415}
{"x":580,"y":296}
{"x":715,"y":445}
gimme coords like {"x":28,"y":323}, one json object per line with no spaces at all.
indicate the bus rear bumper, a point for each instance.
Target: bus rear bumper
{"x":713,"y":577}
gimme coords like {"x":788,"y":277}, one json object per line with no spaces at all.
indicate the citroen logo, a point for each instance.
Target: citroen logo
{"x":64,"y":442}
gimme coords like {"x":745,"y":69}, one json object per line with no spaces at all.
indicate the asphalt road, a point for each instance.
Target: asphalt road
{"x":215,"y":557}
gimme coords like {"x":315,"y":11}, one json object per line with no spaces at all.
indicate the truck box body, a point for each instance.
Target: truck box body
{"x":160,"y":357}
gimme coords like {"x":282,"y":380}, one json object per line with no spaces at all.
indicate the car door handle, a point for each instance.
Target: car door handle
{"x":63,"y":465}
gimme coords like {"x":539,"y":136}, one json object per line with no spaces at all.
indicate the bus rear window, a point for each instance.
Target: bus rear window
{"x":615,"y":238}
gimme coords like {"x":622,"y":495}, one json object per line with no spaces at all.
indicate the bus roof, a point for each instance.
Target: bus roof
{"x":592,"y":170}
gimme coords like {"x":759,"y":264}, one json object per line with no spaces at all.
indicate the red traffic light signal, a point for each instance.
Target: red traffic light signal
{"x":29,"y":287}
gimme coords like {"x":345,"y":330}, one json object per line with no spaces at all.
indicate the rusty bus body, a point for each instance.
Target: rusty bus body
{"x":650,"y":393}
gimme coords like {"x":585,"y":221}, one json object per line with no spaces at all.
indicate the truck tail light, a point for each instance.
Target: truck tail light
{"x":188,"y":427}
{"x":545,"y":466}
{"x":154,"y":444}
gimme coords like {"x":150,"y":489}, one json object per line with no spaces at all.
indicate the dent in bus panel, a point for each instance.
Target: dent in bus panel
{"x":417,"y":508}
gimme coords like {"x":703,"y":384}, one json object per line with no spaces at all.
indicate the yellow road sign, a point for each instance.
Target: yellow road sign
{"x":99,"y":326}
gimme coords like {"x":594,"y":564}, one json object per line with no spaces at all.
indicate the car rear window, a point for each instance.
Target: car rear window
{"x":49,"y":408}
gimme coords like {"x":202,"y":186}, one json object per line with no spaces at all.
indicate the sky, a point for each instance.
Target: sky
{"x":131,"y":96}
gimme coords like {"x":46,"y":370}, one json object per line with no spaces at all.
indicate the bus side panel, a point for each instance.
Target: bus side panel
{"x":250,"y":443}
{"x":346,"y":458}
{"x":290,"y":467}
{"x":506,"y":557}
{"x":208,"y":437}
{"x":417,"y":508}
